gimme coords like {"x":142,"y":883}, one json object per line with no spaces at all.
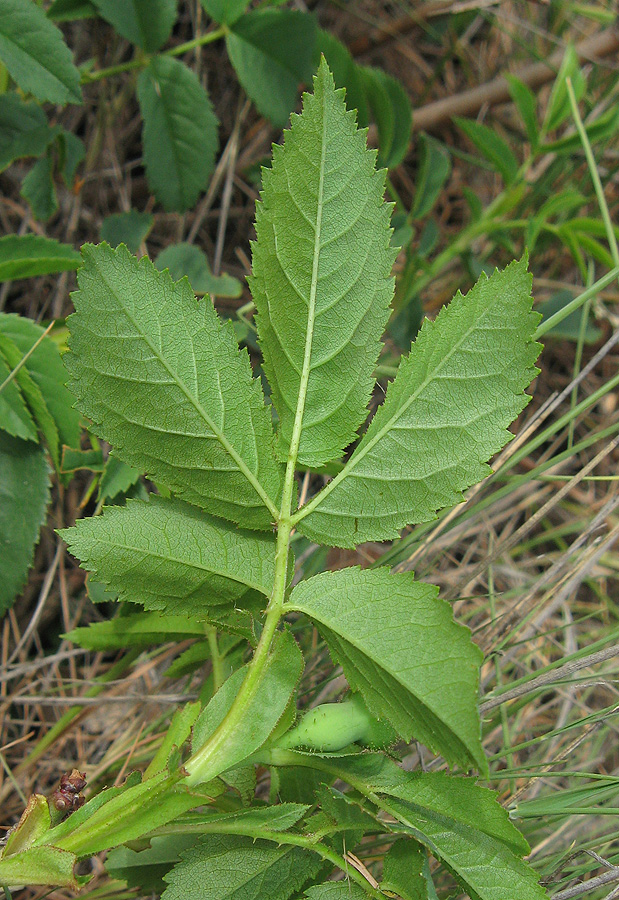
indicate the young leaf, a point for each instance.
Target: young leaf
{"x":145,"y":361}
{"x":15,"y":418}
{"x":491,"y":146}
{"x":346,"y":73}
{"x":391,"y":109}
{"x":270,"y":704}
{"x":130,"y":228}
{"x":147,"y":23}
{"x":272,"y":50}
{"x":170,"y":556}
{"x":445,"y":414}
{"x":321,"y":275}
{"x":434,"y":169}
{"x":24,"y":256}
{"x":180,"y":132}
{"x":24,"y":493}
{"x":226,"y":12}
{"x":69,"y":10}
{"x":558,"y":108}
{"x":117,"y":478}
{"x":187,"y":259}
{"x":389,"y":633}
{"x":230,"y":867}
{"x":34,"y":52}
{"x":403,"y":870}
{"x":526,"y":103}
{"x":39,"y":190}
{"x":33,"y":397}
{"x":44,"y":365}
{"x":24,"y":130}
{"x":142,"y":629}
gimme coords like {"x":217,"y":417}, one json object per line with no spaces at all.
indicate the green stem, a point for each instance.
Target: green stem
{"x":140,"y":62}
{"x":216,"y":660}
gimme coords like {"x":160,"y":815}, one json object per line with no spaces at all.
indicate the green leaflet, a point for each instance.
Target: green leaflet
{"x":403,"y":870}
{"x":39,"y":190}
{"x":146,"y":363}
{"x":272,"y":50}
{"x":229,"y":867}
{"x":23,"y":256}
{"x":225,"y":11}
{"x":44,"y":365}
{"x":187,"y":259}
{"x":321,"y":275}
{"x":170,"y":556}
{"x":179,"y":134}
{"x":142,"y":629}
{"x":130,"y":228}
{"x":33,"y":396}
{"x":24,"y":493}
{"x":391,"y":634}
{"x":15,"y":418}
{"x":270,"y":704}
{"x":34,"y":52}
{"x":444,"y":416}
{"x":147,"y":23}
{"x":460,"y":823}
{"x":24,"y":131}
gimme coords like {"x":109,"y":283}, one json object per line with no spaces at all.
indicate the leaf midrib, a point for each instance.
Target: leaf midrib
{"x":242,"y":466}
{"x":362,"y":452}
{"x":295,"y":439}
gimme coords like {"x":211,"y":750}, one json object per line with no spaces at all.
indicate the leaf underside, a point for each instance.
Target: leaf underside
{"x":147,"y":364}
{"x":400,"y":647}
{"x":24,"y":493}
{"x":231,"y":867}
{"x":168,"y":555}
{"x":321,"y":274}
{"x":445,"y":414}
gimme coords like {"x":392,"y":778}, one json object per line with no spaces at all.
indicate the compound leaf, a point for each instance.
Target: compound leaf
{"x":321,"y":275}
{"x":231,"y":867}
{"x":445,"y":414}
{"x":400,"y":647}
{"x":35,"y":54}
{"x":27,"y":255}
{"x":168,"y":555}
{"x":145,"y":361}
{"x":24,"y":493}
{"x":147,"y":23}
{"x":180,"y":132}
{"x":272,"y":50}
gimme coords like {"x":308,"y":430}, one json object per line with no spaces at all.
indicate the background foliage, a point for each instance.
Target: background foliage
{"x":92,"y":108}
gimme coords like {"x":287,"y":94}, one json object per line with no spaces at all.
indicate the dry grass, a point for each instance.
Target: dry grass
{"x":530,"y":561}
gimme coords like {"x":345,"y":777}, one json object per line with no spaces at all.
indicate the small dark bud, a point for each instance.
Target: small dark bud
{"x":68,"y":797}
